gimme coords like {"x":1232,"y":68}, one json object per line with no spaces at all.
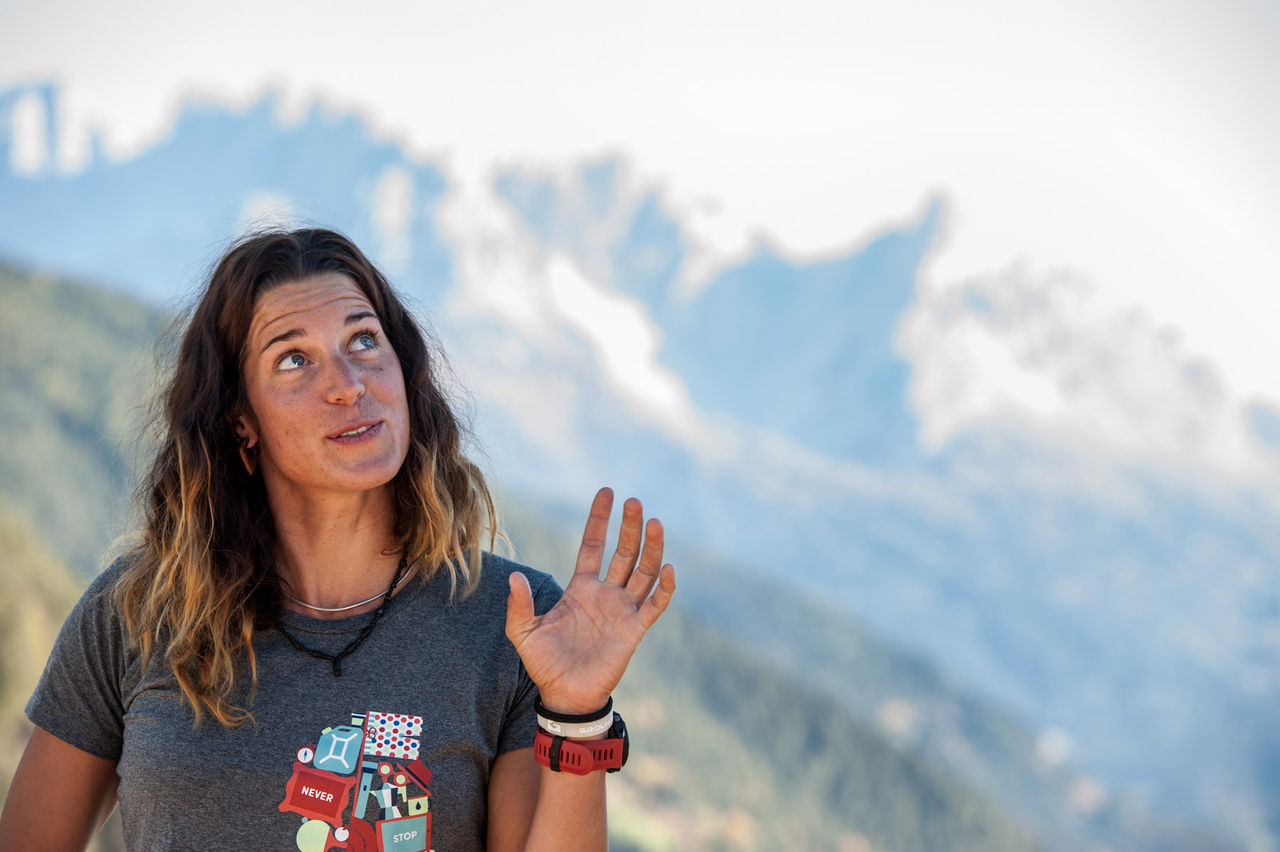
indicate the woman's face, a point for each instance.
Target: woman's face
{"x":326,"y":394}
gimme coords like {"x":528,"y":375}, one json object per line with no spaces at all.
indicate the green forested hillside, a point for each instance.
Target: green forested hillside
{"x":825,"y":736}
{"x":76,"y":373}
{"x":734,"y":753}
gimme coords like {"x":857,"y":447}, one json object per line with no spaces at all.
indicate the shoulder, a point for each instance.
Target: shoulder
{"x":97,"y":598}
{"x":83,"y":690}
{"x":495,"y":574}
{"x":486,"y":601}
{"x":97,"y":624}
{"x":499,"y":569}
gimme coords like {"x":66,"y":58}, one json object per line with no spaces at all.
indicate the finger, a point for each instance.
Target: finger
{"x":646,"y":573}
{"x":591,"y":553}
{"x":628,"y":549}
{"x":658,"y":602}
{"x":520,"y":617}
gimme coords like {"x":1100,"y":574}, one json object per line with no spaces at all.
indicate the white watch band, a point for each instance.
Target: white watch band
{"x":578,"y":728}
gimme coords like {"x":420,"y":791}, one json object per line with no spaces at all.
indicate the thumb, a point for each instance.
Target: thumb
{"x":520,"y":615}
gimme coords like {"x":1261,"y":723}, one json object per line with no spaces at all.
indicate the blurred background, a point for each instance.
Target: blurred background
{"x":938,"y":334}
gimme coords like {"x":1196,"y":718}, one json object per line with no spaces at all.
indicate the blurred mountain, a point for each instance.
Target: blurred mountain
{"x":1122,"y":603}
{"x":1124,"y":598}
{"x":175,"y":209}
{"x":1095,"y":562}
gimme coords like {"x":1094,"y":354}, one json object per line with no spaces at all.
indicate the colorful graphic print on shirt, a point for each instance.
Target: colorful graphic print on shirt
{"x":376,"y":757}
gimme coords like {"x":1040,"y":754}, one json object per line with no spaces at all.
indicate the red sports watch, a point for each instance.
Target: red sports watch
{"x":581,"y":757}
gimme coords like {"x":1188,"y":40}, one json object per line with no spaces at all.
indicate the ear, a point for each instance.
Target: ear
{"x":247,"y":429}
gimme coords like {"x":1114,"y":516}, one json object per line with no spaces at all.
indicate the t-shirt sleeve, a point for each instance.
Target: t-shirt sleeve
{"x":79,"y":698}
{"x":522,"y":721}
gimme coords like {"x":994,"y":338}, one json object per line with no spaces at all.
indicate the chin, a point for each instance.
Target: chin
{"x":363,"y":479}
{"x":371,"y":480}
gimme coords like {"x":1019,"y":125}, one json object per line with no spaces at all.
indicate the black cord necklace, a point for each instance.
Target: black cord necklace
{"x":336,"y":659}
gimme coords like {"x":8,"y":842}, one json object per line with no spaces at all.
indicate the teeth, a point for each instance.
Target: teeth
{"x":359,"y":431}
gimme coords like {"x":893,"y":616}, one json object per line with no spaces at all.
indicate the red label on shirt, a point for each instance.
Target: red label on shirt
{"x":317,"y":794}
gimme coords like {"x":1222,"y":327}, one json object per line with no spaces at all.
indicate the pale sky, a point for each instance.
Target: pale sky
{"x":1131,"y":143}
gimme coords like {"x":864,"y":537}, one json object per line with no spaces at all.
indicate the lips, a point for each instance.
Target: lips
{"x":353,"y":432}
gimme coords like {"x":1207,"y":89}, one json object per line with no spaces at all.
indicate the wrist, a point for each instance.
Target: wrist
{"x":562,"y":706}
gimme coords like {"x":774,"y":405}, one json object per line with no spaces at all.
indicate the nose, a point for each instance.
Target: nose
{"x":346,"y":385}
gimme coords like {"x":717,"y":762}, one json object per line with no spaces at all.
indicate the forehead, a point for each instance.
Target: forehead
{"x":298,"y":304}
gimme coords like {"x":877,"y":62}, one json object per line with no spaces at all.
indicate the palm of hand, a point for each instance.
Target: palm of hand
{"x":577,"y":652}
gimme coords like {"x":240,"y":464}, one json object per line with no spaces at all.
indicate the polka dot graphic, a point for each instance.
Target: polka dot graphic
{"x":395,"y":723}
{"x":392,"y":735}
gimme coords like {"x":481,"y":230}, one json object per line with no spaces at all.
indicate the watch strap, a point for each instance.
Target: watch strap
{"x":580,"y":727}
{"x":577,"y":758}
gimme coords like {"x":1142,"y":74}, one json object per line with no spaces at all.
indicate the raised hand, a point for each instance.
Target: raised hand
{"x":576,"y":653}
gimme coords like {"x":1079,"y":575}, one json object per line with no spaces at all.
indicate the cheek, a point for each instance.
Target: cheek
{"x":288,"y":419}
{"x":394,"y":394}
{"x":281,"y":417}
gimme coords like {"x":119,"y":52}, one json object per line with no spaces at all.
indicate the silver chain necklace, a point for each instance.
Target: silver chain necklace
{"x":335,"y":660}
{"x":402,"y":578}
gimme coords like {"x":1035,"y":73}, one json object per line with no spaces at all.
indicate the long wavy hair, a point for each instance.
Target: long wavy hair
{"x":202,"y":576}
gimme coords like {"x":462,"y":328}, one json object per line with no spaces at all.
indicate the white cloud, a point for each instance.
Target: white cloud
{"x":266,"y":209}
{"x":544,"y":404}
{"x":1045,"y":353}
{"x":496,"y":263}
{"x":583,"y":220}
{"x":715,"y":240}
{"x":392,"y":214}
{"x":624,"y":340}
{"x":30,"y":152}
{"x":1053,"y":747}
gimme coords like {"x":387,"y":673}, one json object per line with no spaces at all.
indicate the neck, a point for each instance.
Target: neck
{"x":331,"y":553}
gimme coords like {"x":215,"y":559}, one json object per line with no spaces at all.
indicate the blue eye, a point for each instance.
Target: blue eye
{"x":292,"y":361}
{"x":364,"y":340}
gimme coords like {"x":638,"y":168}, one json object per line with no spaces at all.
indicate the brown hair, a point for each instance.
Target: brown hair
{"x":202,"y":579}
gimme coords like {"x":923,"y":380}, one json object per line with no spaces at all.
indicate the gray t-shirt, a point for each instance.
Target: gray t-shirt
{"x":398,"y":748}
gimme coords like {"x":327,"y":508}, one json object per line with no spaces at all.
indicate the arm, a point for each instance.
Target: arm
{"x":576,"y":654}
{"x":532,"y":808}
{"x":59,"y":798}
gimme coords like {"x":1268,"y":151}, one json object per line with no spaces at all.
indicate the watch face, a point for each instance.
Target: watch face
{"x":619,"y":731}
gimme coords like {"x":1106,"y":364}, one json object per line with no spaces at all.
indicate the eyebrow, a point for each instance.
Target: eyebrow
{"x":297,"y":332}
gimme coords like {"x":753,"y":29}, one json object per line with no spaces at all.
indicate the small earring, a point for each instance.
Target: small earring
{"x":249,"y":456}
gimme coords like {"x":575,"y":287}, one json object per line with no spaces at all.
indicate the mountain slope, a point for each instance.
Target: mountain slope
{"x":75,"y":384}
{"x":733,"y":752}
{"x":771,"y":648}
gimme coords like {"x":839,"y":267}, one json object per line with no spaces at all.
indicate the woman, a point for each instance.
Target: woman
{"x":307,"y":649}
